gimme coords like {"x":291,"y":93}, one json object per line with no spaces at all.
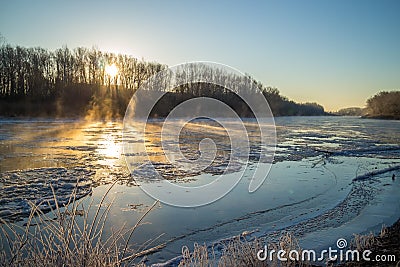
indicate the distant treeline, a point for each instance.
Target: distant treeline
{"x":65,"y":82}
{"x":352,"y":111}
{"x":384,"y":105}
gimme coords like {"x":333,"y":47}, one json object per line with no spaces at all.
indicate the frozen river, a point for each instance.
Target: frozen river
{"x":310,"y":190}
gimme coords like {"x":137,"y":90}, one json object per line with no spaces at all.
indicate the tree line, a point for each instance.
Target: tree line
{"x":40,"y":73}
{"x":351,"y":111}
{"x":384,"y":105}
{"x":74,"y":82}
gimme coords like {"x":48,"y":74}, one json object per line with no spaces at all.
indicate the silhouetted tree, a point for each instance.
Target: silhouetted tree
{"x":74,"y":81}
{"x":384,"y":104}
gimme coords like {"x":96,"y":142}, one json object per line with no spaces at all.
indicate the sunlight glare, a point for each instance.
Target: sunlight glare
{"x":111,"y":70}
{"x":110,"y":148}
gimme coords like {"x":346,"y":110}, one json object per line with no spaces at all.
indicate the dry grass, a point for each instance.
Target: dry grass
{"x":384,"y":243}
{"x":369,"y":241}
{"x":72,"y":238}
{"x":241,"y":252}
{"x":363,"y":242}
{"x":199,"y":257}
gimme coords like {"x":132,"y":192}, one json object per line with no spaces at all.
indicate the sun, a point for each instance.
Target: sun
{"x":111,"y":70}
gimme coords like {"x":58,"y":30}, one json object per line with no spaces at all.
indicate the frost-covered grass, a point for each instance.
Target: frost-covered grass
{"x":241,"y":252}
{"x":68,"y":236}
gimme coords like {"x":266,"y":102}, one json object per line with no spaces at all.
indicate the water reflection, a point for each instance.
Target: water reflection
{"x":316,"y":160}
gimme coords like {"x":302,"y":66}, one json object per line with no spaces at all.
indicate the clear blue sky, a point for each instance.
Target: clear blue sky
{"x":337,"y":53}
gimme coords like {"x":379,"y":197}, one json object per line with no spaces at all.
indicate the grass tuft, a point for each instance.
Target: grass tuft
{"x":242,"y":253}
{"x":67,"y":236}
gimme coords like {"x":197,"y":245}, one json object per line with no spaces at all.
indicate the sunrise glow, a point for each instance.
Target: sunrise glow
{"x":111,"y":70}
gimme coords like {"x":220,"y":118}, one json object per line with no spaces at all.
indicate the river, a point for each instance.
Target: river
{"x":309,"y":190}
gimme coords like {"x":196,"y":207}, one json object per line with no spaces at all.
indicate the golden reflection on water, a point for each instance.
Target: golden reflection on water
{"x":111,"y":149}
{"x":60,"y":144}
{"x":40,"y":144}
{"x":153,"y":145}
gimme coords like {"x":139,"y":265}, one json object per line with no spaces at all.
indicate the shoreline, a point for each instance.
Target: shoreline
{"x":116,"y":118}
{"x":381,"y":117}
{"x":385,"y":243}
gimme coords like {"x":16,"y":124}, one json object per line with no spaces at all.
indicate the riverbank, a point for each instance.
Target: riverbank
{"x":382,"y":117}
{"x":384,"y":244}
{"x":239,"y":252}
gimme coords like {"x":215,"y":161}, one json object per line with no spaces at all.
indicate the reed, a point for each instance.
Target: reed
{"x":241,"y":252}
{"x":68,"y":236}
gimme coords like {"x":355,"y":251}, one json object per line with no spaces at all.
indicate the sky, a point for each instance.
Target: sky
{"x":335,"y":53}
